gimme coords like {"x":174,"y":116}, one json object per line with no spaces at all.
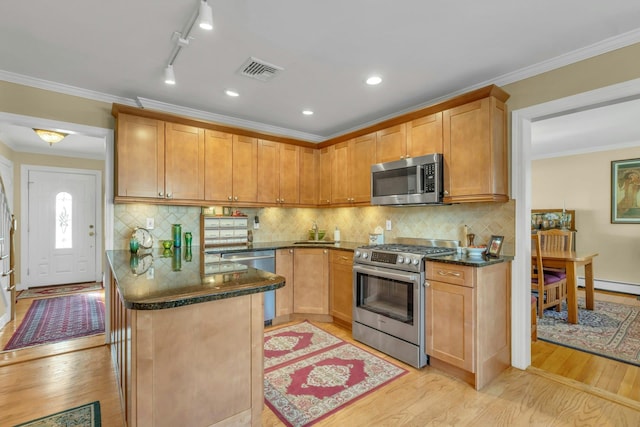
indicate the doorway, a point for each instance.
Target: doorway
{"x":521,"y":186}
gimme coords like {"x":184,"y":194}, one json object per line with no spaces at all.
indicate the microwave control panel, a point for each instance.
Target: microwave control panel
{"x":429,"y":177}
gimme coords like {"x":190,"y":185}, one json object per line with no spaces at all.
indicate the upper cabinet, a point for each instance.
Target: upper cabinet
{"x":184,"y":162}
{"x":351,"y":171}
{"x":324,"y":190}
{"x":231,"y":168}
{"x":309,"y":176}
{"x":278,"y":173}
{"x":391,"y":144}
{"x":475,"y":152}
{"x":424,"y":135}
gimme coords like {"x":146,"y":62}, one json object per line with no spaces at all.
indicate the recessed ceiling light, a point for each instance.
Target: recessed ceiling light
{"x":307,"y":112}
{"x":374,"y":80}
{"x":231,"y":92}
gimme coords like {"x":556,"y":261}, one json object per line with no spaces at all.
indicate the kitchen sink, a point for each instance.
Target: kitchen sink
{"x":314,"y":242}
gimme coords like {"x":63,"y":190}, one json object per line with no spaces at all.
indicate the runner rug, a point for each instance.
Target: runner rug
{"x":51,"y":291}
{"x":610,"y":330}
{"x":57,"y":319}
{"x":310,"y":374}
{"x":86,"y":416}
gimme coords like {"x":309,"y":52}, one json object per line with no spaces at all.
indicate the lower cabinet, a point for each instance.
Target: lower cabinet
{"x":306,"y":291}
{"x":341,"y":287}
{"x":468,"y":322}
{"x":311,"y":281}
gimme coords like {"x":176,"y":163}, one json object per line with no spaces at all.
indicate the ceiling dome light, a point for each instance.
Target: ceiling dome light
{"x":169,"y":75}
{"x":374,"y":80}
{"x":231,"y":92}
{"x":50,"y":136}
{"x":205,"y":16}
{"x":307,"y":112}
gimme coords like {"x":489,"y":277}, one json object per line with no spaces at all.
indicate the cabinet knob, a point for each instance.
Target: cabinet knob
{"x":325,"y":251}
{"x":427,"y":284}
{"x":445,"y":192}
{"x":281,"y":200}
{"x":161,"y":194}
{"x":169,"y":196}
{"x":235,"y":198}
{"x":230,"y":198}
{"x":290,"y":251}
{"x":277,"y":200}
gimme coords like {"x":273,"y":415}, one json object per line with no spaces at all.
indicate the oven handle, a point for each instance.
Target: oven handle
{"x":387,"y":274}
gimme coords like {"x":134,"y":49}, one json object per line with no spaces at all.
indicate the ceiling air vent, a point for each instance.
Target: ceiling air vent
{"x":259,"y":69}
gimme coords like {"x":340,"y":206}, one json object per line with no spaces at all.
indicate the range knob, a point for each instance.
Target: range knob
{"x":400,"y":259}
{"x":407,"y":260}
{"x":416,"y":261}
{"x":357,"y":254}
{"x":365,"y":255}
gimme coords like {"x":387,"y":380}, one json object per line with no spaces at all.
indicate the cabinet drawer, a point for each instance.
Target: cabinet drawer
{"x":211,"y":222}
{"x":341,"y":257}
{"x":450,"y":273}
{"x":211,"y":234}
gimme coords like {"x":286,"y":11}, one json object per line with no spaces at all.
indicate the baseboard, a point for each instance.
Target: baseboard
{"x":4,"y":319}
{"x":624,"y":288}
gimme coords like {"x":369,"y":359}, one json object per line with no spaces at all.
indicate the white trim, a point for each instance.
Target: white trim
{"x":521,"y":179}
{"x":605,"y":285}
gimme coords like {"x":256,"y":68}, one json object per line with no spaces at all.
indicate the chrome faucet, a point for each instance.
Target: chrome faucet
{"x":314,"y":227}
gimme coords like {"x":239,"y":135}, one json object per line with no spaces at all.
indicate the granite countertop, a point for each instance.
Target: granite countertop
{"x":153,"y":281}
{"x":463,"y":259}
{"x":286,"y":244}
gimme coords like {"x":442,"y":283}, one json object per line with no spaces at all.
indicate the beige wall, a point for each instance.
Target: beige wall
{"x":583,"y":182}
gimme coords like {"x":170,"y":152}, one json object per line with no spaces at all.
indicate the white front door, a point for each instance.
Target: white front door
{"x":62,"y":222}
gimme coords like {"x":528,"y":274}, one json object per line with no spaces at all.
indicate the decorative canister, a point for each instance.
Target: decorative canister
{"x":176,"y":231}
{"x":188,"y":238}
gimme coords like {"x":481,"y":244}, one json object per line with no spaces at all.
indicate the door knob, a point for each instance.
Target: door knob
{"x":91,"y":233}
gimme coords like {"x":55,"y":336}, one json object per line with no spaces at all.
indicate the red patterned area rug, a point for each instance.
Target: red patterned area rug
{"x":610,"y":330}
{"x":55,"y":291}
{"x":310,"y":374}
{"x":58,"y":319}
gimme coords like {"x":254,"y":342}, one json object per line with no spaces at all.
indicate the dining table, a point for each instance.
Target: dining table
{"x":570,"y":261}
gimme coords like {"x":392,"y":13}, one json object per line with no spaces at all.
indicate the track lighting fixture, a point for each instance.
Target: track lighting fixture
{"x":204,"y":16}
{"x":169,"y":75}
{"x":50,"y":136}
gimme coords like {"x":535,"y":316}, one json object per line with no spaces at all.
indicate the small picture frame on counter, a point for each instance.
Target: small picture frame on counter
{"x":227,"y":211}
{"x":495,"y":246}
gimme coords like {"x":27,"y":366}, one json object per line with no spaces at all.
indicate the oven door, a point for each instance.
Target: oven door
{"x":389,"y":300}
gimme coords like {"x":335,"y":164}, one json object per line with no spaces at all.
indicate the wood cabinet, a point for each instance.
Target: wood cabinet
{"x":351,"y":171}
{"x":139,"y":157}
{"x":467,"y":320}
{"x":278,"y":173}
{"x":311,"y":281}
{"x":424,"y":135}
{"x":341,"y":286}
{"x":231,"y":168}
{"x":391,"y":144}
{"x":184,"y":162}
{"x":475,"y":152}
{"x":326,"y":161}
{"x":198,"y":364}
{"x":309,"y":176}
{"x":284,"y":295}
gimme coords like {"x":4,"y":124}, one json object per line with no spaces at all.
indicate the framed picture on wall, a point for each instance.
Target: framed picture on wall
{"x":625,"y":191}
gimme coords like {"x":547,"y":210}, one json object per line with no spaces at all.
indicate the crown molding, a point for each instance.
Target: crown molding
{"x":227,"y":120}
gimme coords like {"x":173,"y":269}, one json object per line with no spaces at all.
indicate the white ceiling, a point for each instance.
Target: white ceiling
{"x":425,"y":51}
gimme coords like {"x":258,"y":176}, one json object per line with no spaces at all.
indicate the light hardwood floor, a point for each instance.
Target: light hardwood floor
{"x":427,"y":397}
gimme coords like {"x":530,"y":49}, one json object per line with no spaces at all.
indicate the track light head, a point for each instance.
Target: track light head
{"x":205,"y":16}
{"x":169,"y":75}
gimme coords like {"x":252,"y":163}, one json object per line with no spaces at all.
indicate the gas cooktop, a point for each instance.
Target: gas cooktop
{"x":398,"y":256}
{"x":410,"y":249}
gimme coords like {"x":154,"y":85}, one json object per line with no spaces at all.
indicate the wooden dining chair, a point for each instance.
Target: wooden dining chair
{"x":551,"y":290}
{"x":556,"y":240}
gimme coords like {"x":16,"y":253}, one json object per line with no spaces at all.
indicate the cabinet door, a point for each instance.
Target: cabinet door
{"x":289,"y":173}
{"x":311,"y":281}
{"x":139,"y":157}
{"x":326,"y":160}
{"x":339,"y":174}
{"x":361,"y":157}
{"x":184,"y":162}
{"x":449,"y":329}
{"x":268,"y":176}
{"x":424,"y":135}
{"x":245,"y":169}
{"x":341,"y":279}
{"x":309,"y":176}
{"x":475,"y":152}
{"x":218,"y":163}
{"x":284,"y":295}
{"x":391,"y":144}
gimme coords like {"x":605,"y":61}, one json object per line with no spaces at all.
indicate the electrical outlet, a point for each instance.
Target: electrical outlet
{"x":388,"y":225}
{"x":150,"y":224}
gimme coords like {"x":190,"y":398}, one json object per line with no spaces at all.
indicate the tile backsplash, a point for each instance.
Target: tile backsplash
{"x":355,"y":224}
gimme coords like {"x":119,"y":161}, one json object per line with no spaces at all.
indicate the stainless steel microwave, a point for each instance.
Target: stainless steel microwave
{"x":410,"y":181}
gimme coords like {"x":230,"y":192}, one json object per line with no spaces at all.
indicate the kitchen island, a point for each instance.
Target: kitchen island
{"x":188,"y":345}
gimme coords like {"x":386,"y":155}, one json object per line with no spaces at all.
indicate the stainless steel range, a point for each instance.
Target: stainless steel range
{"x":388,"y":294}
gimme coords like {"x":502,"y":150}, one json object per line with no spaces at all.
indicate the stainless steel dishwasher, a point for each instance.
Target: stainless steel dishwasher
{"x":261,"y":260}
